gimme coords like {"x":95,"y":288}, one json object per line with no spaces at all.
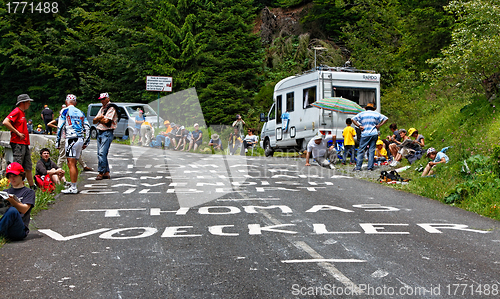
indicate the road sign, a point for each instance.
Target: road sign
{"x":158,"y":83}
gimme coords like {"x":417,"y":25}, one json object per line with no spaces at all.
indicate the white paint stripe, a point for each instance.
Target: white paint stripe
{"x":315,"y":255}
{"x":324,"y":261}
{"x":326,"y":265}
{"x":247,"y":199}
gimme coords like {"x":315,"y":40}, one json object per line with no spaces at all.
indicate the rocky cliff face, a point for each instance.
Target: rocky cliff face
{"x":280,"y":22}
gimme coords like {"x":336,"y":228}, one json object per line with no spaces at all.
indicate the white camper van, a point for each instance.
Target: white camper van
{"x":295,"y":95}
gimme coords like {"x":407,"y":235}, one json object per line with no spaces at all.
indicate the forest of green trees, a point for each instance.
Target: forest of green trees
{"x":88,"y":47}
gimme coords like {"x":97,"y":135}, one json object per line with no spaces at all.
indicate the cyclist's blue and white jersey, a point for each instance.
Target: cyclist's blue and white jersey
{"x":75,"y":125}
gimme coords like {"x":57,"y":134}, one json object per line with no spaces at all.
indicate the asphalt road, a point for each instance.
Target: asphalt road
{"x":181,"y":225}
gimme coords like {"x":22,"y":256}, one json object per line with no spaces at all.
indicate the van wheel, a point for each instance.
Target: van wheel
{"x":93,"y":133}
{"x":268,"y":150}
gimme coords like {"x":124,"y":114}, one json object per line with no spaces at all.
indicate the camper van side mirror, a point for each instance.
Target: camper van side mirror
{"x":263,"y":117}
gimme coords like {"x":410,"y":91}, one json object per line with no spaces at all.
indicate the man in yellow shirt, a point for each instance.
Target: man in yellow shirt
{"x":349,"y":133}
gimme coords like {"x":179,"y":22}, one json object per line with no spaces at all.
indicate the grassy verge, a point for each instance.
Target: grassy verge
{"x":448,"y":116}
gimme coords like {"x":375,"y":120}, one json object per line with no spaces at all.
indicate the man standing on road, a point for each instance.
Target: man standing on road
{"x":319,"y":150}
{"x":19,"y":136}
{"x":106,"y":119}
{"x":77,"y":130}
{"x":369,"y":122}
{"x":47,"y":116}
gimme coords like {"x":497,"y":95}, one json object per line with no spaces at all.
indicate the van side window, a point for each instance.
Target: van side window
{"x":279,"y":111}
{"x":272,"y":113}
{"x":361,"y":96}
{"x":289,"y":102}
{"x":94,"y":110}
{"x":309,"y":97}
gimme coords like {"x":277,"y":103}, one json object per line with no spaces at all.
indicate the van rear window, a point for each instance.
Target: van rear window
{"x":94,"y":110}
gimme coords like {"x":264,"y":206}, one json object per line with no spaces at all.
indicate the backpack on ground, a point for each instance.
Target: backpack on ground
{"x":45,"y":183}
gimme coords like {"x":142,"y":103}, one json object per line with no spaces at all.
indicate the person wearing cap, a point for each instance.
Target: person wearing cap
{"x":380,"y":152}
{"x":106,"y":120}
{"x":39,"y":129}
{"x":139,"y":120}
{"x":163,"y":138}
{"x":369,"y":121}
{"x":77,"y":129}
{"x":407,"y":147}
{"x":19,"y":136}
{"x":437,"y":158}
{"x":30,"y":126}
{"x":175,"y":128}
{"x":318,"y":148}
{"x":47,"y":116}
{"x":197,"y":138}
{"x":146,"y":133}
{"x":14,"y":225}
{"x":215,"y":142}
{"x":418,"y":138}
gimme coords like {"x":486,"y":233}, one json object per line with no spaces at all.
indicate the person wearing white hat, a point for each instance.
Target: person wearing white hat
{"x":318,"y":148}
{"x":197,"y":138}
{"x":19,"y":136}
{"x":106,"y":120}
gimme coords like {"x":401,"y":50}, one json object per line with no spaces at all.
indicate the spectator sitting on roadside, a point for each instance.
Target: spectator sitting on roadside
{"x":14,"y":225}
{"x":250,"y":141}
{"x":391,"y":143}
{"x":197,"y":138}
{"x":45,"y":166}
{"x":163,"y":137}
{"x":215,"y":142}
{"x":407,"y":147}
{"x":235,"y":141}
{"x":437,"y":158}
{"x":30,"y":126}
{"x":172,"y":134}
{"x":418,"y":143}
{"x":181,"y":138}
{"x":380,"y":152}
{"x":39,"y":130}
{"x":146,"y":133}
{"x":317,"y":148}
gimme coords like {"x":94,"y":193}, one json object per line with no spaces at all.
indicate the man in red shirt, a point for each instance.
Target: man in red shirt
{"x":19,"y":136}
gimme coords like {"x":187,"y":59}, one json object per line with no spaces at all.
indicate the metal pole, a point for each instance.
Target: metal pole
{"x":158,"y":113}
{"x":314,"y":58}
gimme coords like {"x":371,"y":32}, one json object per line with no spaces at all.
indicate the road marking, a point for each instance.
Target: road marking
{"x":325,"y":264}
{"x":321,"y":261}
{"x":324,"y":261}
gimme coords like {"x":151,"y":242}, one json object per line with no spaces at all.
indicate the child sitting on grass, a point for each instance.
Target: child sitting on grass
{"x":380,"y":152}
{"x":437,"y":158}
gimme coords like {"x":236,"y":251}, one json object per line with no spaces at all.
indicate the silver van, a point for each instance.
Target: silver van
{"x":128,"y":112}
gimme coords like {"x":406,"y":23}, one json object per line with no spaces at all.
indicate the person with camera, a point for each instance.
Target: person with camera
{"x":14,"y":225}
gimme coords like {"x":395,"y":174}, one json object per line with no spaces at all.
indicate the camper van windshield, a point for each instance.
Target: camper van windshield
{"x":362,"y":96}
{"x":148,"y":111}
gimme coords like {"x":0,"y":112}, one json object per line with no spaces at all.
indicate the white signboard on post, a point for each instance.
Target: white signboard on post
{"x":158,"y":83}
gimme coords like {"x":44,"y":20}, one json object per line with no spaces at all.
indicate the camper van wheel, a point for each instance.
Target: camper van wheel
{"x":268,"y":150}
{"x":93,"y":133}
